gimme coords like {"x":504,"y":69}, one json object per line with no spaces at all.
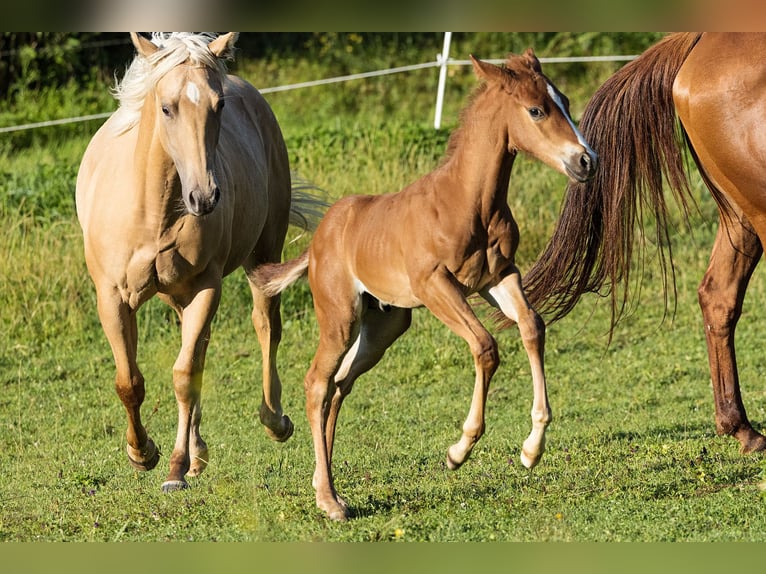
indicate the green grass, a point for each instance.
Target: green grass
{"x":632,"y":453}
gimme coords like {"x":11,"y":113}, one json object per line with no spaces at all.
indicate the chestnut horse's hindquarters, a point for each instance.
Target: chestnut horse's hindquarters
{"x":715,"y":84}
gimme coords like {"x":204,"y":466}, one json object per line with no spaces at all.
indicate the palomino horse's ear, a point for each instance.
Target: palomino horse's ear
{"x":223,"y":46}
{"x":487,"y":71}
{"x":144,"y":47}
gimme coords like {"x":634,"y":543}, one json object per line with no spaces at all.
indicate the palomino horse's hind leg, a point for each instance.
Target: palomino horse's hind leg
{"x":443,"y":297}
{"x":736,"y":253}
{"x":509,"y":297}
{"x":190,"y":454}
{"x":119,"y":324}
{"x":268,"y":327}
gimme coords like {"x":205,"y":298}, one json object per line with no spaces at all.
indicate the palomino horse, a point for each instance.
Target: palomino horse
{"x":448,"y":235}
{"x":174,"y":192}
{"x":716,"y":84}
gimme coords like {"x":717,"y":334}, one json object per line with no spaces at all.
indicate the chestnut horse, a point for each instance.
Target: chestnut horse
{"x":716,"y":85}
{"x":174,"y":192}
{"x":448,"y":235}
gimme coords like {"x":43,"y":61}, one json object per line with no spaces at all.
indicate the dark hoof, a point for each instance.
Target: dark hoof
{"x":751,"y":441}
{"x":149,"y":456}
{"x":174,"y":485}
{"x":288,"y":427}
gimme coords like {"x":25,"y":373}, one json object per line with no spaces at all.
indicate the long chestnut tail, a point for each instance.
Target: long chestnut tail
{"x":631,"y":123}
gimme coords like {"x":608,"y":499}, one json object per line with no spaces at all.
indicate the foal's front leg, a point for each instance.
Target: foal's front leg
{"x":442,"y":295}
{"x":509,"y":297}
{"x":190,"y":454}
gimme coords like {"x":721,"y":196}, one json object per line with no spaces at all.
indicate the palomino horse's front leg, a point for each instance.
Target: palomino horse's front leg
{"x":736,"y":253}
{"x":119,"y":323}
{"x":190,"y":454}
{"x":509,"y":297}
{"x":268,"y":327}
{"x":443,"y":297}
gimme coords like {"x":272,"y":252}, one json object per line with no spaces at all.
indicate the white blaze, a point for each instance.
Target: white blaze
{"x":557,"y":100}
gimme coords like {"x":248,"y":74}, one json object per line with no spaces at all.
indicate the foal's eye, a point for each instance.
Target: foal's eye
{"x":536,"y":113}
{"x":166,"y":111}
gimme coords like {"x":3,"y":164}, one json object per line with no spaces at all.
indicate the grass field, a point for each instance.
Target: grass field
{"x":632,"y":453}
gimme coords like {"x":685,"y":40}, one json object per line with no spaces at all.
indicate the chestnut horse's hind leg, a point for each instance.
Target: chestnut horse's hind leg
{"x":119,"y":324}
{"x":268,"y":326}
{"x":736,"y":253}
{"x":509,"y":297}
{"x":190,"y":454}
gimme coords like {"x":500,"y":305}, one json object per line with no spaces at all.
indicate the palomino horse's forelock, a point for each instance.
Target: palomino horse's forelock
{"x":144,"y":72}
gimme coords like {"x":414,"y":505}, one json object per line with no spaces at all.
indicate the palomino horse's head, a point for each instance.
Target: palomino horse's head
{"x":186,"y":101}
{"x":535,"y":115}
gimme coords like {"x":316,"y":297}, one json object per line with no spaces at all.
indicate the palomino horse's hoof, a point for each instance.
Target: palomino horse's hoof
{"x":144,"y":459}
{"x":174,"y":485}
{"x":288,"y":427}
{"x":198,"y":463}
{"x":529,"y":461}
{"x":452,"y":462}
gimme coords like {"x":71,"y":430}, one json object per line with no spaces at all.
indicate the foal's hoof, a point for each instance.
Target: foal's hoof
{"x":146,"y":458}
{"x":285,"y":433}
{"x":174,"y":485}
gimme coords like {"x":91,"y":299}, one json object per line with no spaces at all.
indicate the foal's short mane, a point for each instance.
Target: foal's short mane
{"x":515,"y":66}
{"x":143,"y":73}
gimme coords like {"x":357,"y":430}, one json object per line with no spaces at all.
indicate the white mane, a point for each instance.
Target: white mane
{"x":143,"y":73}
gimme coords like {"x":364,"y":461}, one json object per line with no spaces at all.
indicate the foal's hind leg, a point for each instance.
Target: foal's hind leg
{"x":119,"y":323}
{"x":509,"y":297}
{"x":378,"y":331}
{"x":736,"y":253}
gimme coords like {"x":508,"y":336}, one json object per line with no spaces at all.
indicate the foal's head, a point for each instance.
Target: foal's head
{"x":535,"y":115}
{"x":186,"y":99}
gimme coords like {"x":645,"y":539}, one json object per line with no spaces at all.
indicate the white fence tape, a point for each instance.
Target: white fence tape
{"x":442,"y":61}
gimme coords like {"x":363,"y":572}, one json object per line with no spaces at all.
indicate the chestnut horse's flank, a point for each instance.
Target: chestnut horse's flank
{"x":185,"y":182}
{"x":716,"y":85}
{"x":448,"y":235}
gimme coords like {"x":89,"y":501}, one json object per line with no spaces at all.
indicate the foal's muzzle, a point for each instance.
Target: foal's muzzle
{"x":583,"y":167}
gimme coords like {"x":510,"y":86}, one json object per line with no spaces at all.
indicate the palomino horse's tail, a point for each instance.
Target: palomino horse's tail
{"x":631,"y":123}
{"x":307,"y":207}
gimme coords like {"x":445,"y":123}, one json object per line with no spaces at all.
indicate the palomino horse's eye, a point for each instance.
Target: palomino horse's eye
{"x":536,"y":113}
{"x":166,"y":111}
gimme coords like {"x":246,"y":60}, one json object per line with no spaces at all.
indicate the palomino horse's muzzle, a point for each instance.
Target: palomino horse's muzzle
{"x":201,"y":203}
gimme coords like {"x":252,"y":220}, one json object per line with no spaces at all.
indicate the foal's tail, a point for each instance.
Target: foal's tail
{"x":273,"y":278}
{"x":630,"y":121}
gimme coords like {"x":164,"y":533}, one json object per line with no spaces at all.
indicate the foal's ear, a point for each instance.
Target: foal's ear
{"x":144,"y":46}
{"x":534,"y":63}
{"x":486,"y":71}
{"x":223,"y":46}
